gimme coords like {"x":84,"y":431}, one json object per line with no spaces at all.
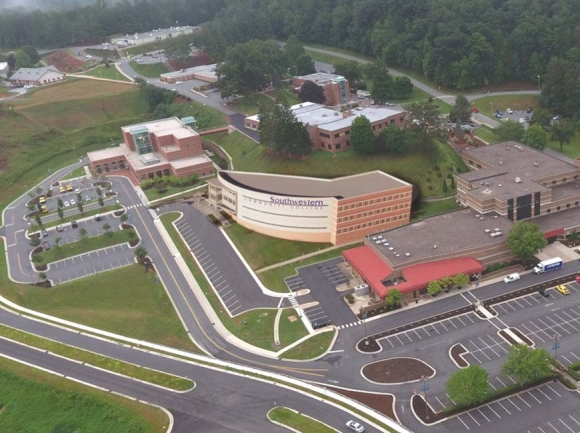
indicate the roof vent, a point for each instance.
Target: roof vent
{"x":518,"y":180}
{"x":407,"y":254}
{"x":536,"y":163}
{"x":507,"y":148}
{"x":499,"y":184}
{"x":434,"y":246}
{"x":500,"y":162}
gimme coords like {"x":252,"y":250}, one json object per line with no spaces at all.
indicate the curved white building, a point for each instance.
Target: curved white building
{"x":310,"y":209}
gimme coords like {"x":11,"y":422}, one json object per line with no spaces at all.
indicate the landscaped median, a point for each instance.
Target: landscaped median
{"x":298,"y":422}
{"x":67,"y":219}
{"x":131,"y":370}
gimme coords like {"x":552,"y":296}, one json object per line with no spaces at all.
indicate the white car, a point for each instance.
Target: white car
{"x":509,"y":111}
{"x":179,"y":82}
{"x":511,"y":277}
{"x":353,"y":425}
{"x":66,"y":204}
{"x":72,"y":202}
{"x":522,"y":121}
{"x":77,"y":190}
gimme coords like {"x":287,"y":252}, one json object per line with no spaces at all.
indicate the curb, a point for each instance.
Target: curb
{"x":298,"y":413}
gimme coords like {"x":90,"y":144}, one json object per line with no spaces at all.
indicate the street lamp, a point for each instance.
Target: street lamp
{"x":555,"y":347}
{"x":364,"y":317}
{"x":538,"y":83}
{"x":425,"y":388}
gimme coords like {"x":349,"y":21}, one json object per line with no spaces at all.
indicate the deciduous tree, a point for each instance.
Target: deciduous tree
{"x":461,"y":111}
{"x":527,"y":364}
{"x":304,"y":65}
{"x":351,"y":70}
{"x":396,"y":139}
{"x":469,"y":386}
{"x":282,"y":133}
{"x":424,"y":120}
{"x":460,"y":280}
{"x":536,"y":137}
{"x":434,"y":288}
{"x":562,"y":131}
{"x":525,"y":240}
{"x":393,"y":298}
{"x":311,"y":92}
{"x":510,"y":131}
{"x":141,"y":253}
{"x":362,"y":137}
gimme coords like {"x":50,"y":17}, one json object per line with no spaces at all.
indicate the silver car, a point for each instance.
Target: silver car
{"x":353,"y":425}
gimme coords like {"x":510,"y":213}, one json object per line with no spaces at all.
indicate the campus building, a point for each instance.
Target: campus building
{"x":204,"y":73}
{"x":509,"y":182}
{"x":329,"y":130}
{"x":4,"y":69}
{"x":310,"y":209}
{"x":37,"y":76}
{"x":153,"y":35}
{"x":336,"y":88}
{"x":158,"y":148}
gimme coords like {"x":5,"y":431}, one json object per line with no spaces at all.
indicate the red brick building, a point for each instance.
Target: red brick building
{"x":336,"y":88}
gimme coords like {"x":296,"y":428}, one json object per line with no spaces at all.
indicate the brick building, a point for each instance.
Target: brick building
{"x":158,"y":148}
{"x":336,"y":87}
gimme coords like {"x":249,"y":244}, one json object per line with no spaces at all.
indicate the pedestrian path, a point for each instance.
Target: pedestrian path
{"x":134,"y":206}
{"x":349,"y":325}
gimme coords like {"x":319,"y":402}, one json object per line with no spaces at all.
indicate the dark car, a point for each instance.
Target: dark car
{"x":499,"y":116}
{"x":44,"y":233}
{"x":74,"y":224}
{"x":321,"y":324}
{"x":529,"y":110}
{"x":46,"y":246}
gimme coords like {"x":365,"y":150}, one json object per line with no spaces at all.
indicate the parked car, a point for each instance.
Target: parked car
{"x":44,"y":233}
{"x":529,"y":110}
{"x":499,"y":116}
{"x":511,"y":277}
{"x":59,"y":228}
{"x":475,"y":110}
{"x":66,"y":203}
{"x":98,"y":217}
{"x":509,"y":111}
{"x":62,"y":189}
{"x":46,"y":246}
{"x":321,"y":324}
{"x":353,"y":425}
{"x":563,"y":289}
{"x":578,"y":278}
{"x":77,"y":190}
{"x":522,"y":120}
{"x":74,"y":224}
{"x":73,"y":202}
{"x":179,"y":82}
{"x":557,"y":117}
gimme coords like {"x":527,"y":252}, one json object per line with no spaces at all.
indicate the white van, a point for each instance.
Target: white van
{"x":511,"y":277}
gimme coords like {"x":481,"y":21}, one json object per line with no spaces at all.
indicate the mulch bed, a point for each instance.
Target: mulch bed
{"x":456,"y":351}
{"x":381,"y":310}
{"x":44,"y":284}
{"x":397,"y":370}
{"x":380,"y":402}
{"x":118,"y":213}
{"x":508,"y":338}
{"x":522,"y":336}
{"x":424,"y":411}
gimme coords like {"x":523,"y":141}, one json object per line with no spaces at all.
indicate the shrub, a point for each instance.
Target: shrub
{"x":349,"y":298}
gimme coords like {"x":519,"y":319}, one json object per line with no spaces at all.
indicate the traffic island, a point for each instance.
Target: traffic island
{"x":369,"y":345}
{"x":396,"y":371}
{"x":382,"y":403}
{"x":456,"y":352}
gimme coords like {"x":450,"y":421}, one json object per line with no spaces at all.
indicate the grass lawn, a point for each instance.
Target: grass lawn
{"x":250,"y":105}
{"x":35,"y":401}
{"x":126,"y":301}
{"x":486,"y":133}
{"x":444,"y":107}
{"x":125,"y":368}
{"x":428,"y":208}
{"x":83,"y":246}
{"x":260,"y":250}
{"x":298,"y":422}
{"x":112,"y":73}
{"x":153,"y":194}
{"x":151,"y":70}
{"x":286,"y":94}
{"x":206,"y":116}
{"x":571,"y":149}
{"x":255,"y":327}
{"x":77,"y":172}
{"x":415,"y":166}
{"x":311,"y":348}
{"x":489,"y":104}
{"x":274,"y":278}
{"x":290,"y":327}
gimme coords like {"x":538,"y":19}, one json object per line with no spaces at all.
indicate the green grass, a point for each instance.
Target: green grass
{"x":489,"y":104}
{"x":486,"y":133}
{"x":151,"y":70}
{"x":290,"y":330}
{"x":82,"y":246}
{"x":274,"y":278}
{"x":126,"y":301}
{"x":415,"y":166}
{"x":311,"y":348}
{"x":286,"y":94}
{"x":444,"y":107}
{"x":298,"y":422}
{"x":250,"y":105}
{"x":255,"y":327}
{"x":111,"y":73}
{"x":34,"y":401}
{"x":204,"y":114}
{"x":428,"y":208}
{"x":153,"y":194}
{"x":3,"y":90}
{"x":571,"y":149}
{"x":127,"y":369}
{"x":260,"y":250}
{"x":77,"y":172}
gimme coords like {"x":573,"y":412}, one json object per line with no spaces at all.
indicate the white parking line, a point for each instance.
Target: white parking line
{"x":399,"y":340}
{"x":566,"y":425}
{"x":545,"y":395}
{"x":444,"y":327}
{"x":520,"y":397}
{"x":514,"y":405}
{"x":234,"y":303}
{"x":535,"y":398}
{"x":553,"y":390}
{"x":417,"y":334}
{"x":459,"y":418}
{"x":504,"y":408}
{"x":440,"y":402}
{"x":459,"y":318}
{"x":451,"y":321}
{"x":469,"y":413}
{"x":499,"y":306}
{"x":532,"y":333}
{"x":489,"y":347}
{"x":491,"y":408}
{"x":553,"y":427}
{"x":573,"y":419}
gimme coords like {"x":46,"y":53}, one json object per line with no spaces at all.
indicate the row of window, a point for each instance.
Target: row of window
{"x":336,"y":146}
{"x":377,"y":200}
{"x":560,"y":207}
{"x":375,"y":212}
{"x":563,"y":180}
{"x":372,"y":223}
{"x":106,"y":167}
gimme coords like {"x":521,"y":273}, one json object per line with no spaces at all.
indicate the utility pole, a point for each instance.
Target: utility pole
{"x":538,"y":83}
{"x":555,"y":347}
{"x":364,"y":317}
{"x":425,"y":388}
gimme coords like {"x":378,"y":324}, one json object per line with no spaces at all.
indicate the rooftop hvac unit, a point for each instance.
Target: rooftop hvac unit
{"x":407,"y":254}
{"x":518,"y":180}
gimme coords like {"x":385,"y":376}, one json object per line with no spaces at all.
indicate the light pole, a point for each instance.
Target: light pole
{"x":425,"y":388}
{"x":364,"y":317}
{"x":538,"y":83}
{"x":555,"y":347}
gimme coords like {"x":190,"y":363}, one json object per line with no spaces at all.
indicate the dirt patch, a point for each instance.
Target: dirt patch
{"x":457,"y":350}
{"x":397,"y":370}
{"x":63,"y":61}
{"x":380,"y":402}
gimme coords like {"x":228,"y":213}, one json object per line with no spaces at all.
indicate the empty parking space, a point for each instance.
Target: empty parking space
{"x":533,"y":300}
{"x":502,"y":415}
{"x":316,"y":315}
{"x":427,"y":331}
{"x":482,"y":349}
{"x":295,"y":283}
{"x":333,"y":274}
{"x":77,"y":268}
{"x":560,"y":322}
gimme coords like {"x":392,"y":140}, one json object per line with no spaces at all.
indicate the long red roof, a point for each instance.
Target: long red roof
{"x":373,"y":269}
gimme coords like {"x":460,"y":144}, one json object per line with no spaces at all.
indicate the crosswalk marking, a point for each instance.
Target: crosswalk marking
{"x":348,"y":325}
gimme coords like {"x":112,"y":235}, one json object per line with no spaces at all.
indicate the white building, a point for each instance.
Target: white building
{"x":4,"y":69}
{"x":37,"y":76}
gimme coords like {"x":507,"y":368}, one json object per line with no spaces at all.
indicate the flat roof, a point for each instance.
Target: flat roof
{"x":298,"y":186}
{"x":170,"y":126}
{"x":565,"y":219}
{"x":432,"y":237}
{"x":320,"y":77}
{"x":109,"y":152}
{"x":510,"y":160}
{"x":566,"y":190}
{"x":374,"y":114}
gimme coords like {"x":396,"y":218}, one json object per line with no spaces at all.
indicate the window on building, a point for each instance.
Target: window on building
{"x":364,"y":225}
{"x":366,"y":203}
{"x":576,"y":203}
{"x":383,"y":221}
{"x":575,"y":177}
{"x":350,"y":229}
{"x":358,"y":227}
{"x":338,"y":146}
{"x":568,"y":205}
{"x":351,"y":217}
{"x":388,"y":220}
{"x":557,"y":207}
{"x":564,"y":180}
{"x":548,"y":210}
{"x":336,"y":135}
{"x":389,"y":209}
{"x":553,"y":182}
{"x":365,"y":214}
{"x":390,"y":197}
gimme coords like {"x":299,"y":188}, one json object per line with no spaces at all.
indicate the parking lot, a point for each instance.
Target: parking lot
{"x":485,"y":348}
{"x":532,"y":300}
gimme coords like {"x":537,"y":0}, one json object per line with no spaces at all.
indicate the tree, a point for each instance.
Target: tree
{"x":402,"y":87}
{"x":38,"y":190}
{"x":42,"y":277}
{"x":393,"y":298}
{"x":34,"y":241}
{"x":562,"y":131}
{"x":424,"y":120}
{"x":362,"y":136}
{"x":541,"y":117}
{"x":526,"y":363}
{"x":351,"y":70}
{"x":536,"y":137}
{"x":294,"y":49}
{"x":304,"y":65}
{"x":83,"y":234}
{"x":434,"y":288}
{"x":510,"y":131}
{"x":38,"y":220}
{"x":101,"y":201}
{"x":124,"y":218}
{"x":460,"y":280}
{"x":382,"y":81}
{"x":32,"y":54}
{"x":461,"y":111}
{"x":59,"y":202}
{"x":60,"y":213}
{"x":99,"y":191}
{"x":282,"y":133}
{"x":396,"y":139}
{"x":108,"y":232}
{"x":444,"y":187}
{"x":525,"y":240}
{"x":312,"y":92}
{"x":80,"y":206}
{"x":131,"y":235}
{"x":22,"y":60}
{"x":141,"y":253}
{"x":469,"y":386}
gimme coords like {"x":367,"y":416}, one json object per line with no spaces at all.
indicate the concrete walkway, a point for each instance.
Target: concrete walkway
{"x":305,"y":256}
